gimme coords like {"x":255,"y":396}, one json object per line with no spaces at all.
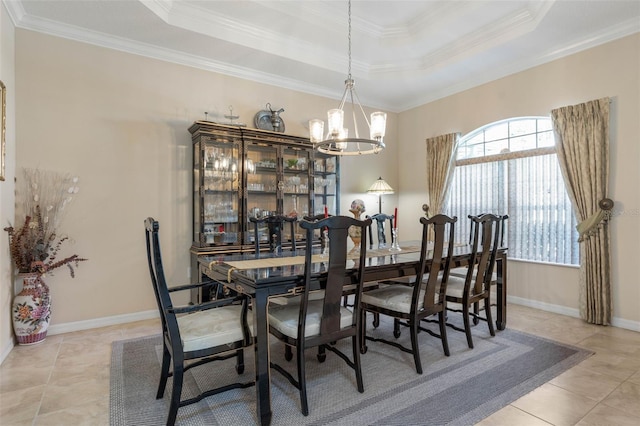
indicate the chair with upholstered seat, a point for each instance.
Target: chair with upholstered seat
{"x":275,"y":228}
{"x":308,"y":323}
{"x":197,"y":334}
{"x":348,"y":290}
{"x":410,"y":303}
{"x":462,"y":271}
{"x":380,"y":219}
{"x":475,"y":287}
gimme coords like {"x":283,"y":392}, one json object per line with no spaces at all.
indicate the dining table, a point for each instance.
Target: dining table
{"x":278,"y":274}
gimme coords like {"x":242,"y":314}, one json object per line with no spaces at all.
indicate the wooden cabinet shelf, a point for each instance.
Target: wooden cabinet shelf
{"x":240,"y":173}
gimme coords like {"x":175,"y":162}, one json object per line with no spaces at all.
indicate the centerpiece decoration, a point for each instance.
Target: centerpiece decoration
{"x":41,"y":201}
{"x":357,"y":208}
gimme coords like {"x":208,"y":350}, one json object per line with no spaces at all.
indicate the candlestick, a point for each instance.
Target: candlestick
{"x":325,"y":243}
{"x":394,"y":240}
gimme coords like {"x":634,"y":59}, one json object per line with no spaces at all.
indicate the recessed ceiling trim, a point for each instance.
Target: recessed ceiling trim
{"x":16,"y":11}
{"x":234,"y":30}
{"x":624,"y":29}
{"x":511,"y":26}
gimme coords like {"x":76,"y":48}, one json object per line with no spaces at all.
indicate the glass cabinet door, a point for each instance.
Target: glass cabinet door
{"x":295,"y":188}
{"x":217,"y":170}
{"x":296,"y":183}
{"x":326,"y":184}
{"x":261,"y":166}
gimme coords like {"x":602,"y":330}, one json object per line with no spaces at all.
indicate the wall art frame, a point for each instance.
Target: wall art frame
{"x":3,"y":126}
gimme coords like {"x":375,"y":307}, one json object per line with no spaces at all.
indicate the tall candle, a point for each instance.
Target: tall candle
{"x":326,"y":212}
{"x":395,"y":218}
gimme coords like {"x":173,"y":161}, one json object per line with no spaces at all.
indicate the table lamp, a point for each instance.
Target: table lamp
{"x":380,"y":188}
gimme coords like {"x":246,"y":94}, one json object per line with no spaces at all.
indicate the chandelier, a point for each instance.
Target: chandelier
{"x":337,"y":140}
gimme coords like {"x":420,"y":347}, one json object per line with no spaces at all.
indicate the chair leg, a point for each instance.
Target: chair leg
{"x":288,"y":353}
{"x":396,"y":328}
{"x":322,"y":355}
{"x":356,"y":360}
{"x":476,"y":311}
{"x":176,"y":392}
{"x":413,"y":325}
{"x":164,"y":372}
{"x":376,"y":320}
{"x":487,"y":309}
{"x":363,"y":331}
{"x":302,"y":380}
{"x":443,"y":332}
{"x":467,"y":325}
{"x":240,"y":361}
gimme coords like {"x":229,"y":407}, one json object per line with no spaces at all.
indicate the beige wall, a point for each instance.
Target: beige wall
{"x":120,"y":122}
{"x":7,"y":75}
{"x":610,"y":70}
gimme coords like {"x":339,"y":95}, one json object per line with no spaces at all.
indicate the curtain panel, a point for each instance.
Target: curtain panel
{"x":440,"y":166}
{"x":582,"y":144}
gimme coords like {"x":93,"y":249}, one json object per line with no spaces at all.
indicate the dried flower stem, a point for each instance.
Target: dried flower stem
{"x":41,"y":197}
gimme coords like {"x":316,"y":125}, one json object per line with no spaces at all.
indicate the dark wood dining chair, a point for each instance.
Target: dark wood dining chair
{"x":193,"y":335}
{"x":475,"y":286}
{"x":317,"y":234}
{"x":275,"y":230}
{"x":501,"y":226}
{"x":461,"y":272}
{"x":379,"y":219}
{"x":348,"y":290}
{"x":423,"y":296}
{"x":322,"y":322}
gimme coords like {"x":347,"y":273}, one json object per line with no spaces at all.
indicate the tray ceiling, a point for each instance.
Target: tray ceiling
{"x":405,"y":53}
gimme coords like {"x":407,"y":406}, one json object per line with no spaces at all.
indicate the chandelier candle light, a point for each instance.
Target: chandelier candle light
{"x":337,"y":140}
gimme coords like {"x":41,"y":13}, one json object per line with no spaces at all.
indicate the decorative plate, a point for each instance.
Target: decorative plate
{"x":262,"y":120}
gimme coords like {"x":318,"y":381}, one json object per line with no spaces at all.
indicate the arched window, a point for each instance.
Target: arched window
{"x":510,"y":167}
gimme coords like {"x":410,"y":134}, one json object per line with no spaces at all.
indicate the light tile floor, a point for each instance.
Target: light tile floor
{"x":65,"y":380}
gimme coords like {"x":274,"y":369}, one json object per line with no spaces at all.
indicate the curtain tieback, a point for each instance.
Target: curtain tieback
{"x":589,"y":226}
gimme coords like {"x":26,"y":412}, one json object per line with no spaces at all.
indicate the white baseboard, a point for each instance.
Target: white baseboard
{"x":548,"y":307}
{"x":138,"y":316}
{"x":571,"y":312}
{"x":101,"y":322}
{"x":6,"y":351}
{"x":87,"y":325}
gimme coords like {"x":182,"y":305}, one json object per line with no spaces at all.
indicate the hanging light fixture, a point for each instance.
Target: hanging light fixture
{"x":337,"y":140}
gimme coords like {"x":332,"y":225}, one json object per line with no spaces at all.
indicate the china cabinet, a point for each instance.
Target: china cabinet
{"x":240,"y":173}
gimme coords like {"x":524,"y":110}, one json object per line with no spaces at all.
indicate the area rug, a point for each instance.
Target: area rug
{"x":460,"y":389}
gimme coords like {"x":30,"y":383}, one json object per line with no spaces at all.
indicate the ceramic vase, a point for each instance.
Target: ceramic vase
{"x":355,"y":232}
{"x":31,"y":310}
{"x":357,"y":208}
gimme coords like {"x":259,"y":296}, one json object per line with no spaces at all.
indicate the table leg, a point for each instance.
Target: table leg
{"x":501,"y":291}
{"x":263,"y":379}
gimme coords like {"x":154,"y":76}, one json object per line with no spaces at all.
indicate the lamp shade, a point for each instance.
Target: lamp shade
{"x":380,"y":187}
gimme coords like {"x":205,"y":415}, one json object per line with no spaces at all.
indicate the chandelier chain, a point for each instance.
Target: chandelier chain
{"x":349,"y":13}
